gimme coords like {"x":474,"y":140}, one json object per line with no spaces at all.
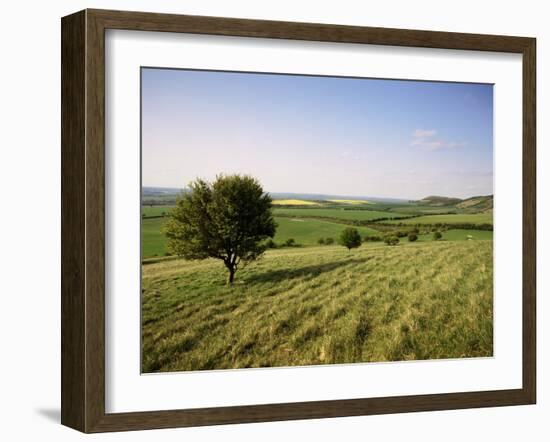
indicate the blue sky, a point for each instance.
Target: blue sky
{"x":324,"y":135}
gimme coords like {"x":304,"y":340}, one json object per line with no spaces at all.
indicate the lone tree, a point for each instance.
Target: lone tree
{"x":437,"y":235}
{"x":229,"y":219}
{"x":350,"y":238}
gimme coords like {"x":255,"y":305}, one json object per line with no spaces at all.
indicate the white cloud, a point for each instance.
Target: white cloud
{"x":427,"y":139}
{"x":420,"y":133}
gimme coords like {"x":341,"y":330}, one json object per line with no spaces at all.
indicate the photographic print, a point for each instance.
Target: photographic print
{"x":299,"y":220}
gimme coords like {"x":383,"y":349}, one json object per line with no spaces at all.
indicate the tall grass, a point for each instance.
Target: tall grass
{"x":320,"y":306}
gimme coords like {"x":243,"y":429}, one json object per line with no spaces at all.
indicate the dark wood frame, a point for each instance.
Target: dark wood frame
{"x":83,"y":216}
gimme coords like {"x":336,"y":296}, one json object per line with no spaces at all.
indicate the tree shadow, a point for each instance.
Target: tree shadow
{"x":301,"y":272}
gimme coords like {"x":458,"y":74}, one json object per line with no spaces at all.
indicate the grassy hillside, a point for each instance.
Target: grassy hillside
{"x":439,"y":201}
{"x":320,"y":305}
{"x":476,"y":204}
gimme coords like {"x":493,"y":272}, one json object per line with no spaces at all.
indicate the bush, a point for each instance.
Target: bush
{"x":391,"y":239}
{"x":412,"y":237}
{"x":437,"y":235}
{"x":372,"y":238}
{"x":270,"y":244}
{"x":290,"y":242}
{"x":321,"y":241}
{"x":329,"y":241}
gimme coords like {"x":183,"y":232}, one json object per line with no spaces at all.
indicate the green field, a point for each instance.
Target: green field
{"x":153,"y":242}
{"x":308,"y":231}
{"x":148,"y":211}
{"x":305,"y":232}
{"x":459,"y":235}
{"x":320,"y":305}
{"x":348,"y":215}
{"x":473,"y":218}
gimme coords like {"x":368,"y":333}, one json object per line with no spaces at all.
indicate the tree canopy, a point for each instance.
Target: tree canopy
{"x":350,"y":238}
{"x":228,"y":219}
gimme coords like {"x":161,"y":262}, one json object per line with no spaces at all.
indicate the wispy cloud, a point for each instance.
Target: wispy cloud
{"x":428,"y":140}
{"x":421,"y":133}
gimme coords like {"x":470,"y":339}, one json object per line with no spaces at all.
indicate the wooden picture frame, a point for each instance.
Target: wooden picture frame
{"x":83,"y":220}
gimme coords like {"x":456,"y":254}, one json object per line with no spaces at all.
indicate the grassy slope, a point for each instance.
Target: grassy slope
{"x":320,"y":305}
{"x":475,"y":218}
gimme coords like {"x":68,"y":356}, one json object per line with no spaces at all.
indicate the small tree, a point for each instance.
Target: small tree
{"x":329,"y":241}
{"x":391,"y":240}
{"x":412,"y":237}
{"x":229,"y":219}
{"x":321,"y":241}
{"x":290,"y":242}
{"x":350,"y":238}
{"x":437,"y":235}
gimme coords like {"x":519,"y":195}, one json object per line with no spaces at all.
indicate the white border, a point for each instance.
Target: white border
{"x":127,"y":390}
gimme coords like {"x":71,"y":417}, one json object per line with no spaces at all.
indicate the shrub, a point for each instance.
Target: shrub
{"x":270,"y":244}
{"x":372,"y":238}
{"x":329,"y":241}
{"x":321,"y":241}
{"x":437,"y":235}
{"x":290,"y":242}
{"x":412,"y":236}
{"x":391,"y":239}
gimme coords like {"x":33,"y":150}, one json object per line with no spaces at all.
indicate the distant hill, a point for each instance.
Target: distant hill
{"x":435,"y":200}
{"x":476,"y":204}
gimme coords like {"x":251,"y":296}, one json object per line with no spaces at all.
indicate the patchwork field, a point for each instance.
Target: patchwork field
{"x":320,"y":305}
{"x":353,"y":202}
{"x":307,"y":225}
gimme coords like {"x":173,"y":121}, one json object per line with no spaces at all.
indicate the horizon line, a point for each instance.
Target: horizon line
{"x":347,"y":195}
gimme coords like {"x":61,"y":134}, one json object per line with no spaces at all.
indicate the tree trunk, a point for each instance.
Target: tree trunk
{"x":231,"y":276}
